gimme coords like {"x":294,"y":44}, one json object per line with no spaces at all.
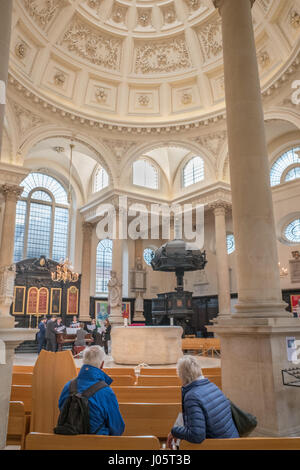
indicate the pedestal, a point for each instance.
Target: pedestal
{"x":153,"y":345}
{"x":9,"y":340}
{"x":253,"y":354}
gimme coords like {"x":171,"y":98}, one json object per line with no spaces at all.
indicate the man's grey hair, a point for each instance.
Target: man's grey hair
{"x":189,"y":369}
{"x":93,"y":356}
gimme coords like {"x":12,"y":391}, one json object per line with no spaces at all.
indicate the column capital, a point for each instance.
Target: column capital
{"x":87,"y":228}
{"x":11,"y":192}
{"x":220,"y":207}
{"x":218,"y":3}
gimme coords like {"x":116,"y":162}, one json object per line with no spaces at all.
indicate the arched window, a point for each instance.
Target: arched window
{"x":101,"y":179}
{"x":193,"y":172}
{"x":292,"y":231}
{"x":42,"y":219}
{"x":230,"y":243}
{"x":286,"y":168}
{"x":148,"y":255}
{"x":145,"y":174}
{"x":103,"y":265}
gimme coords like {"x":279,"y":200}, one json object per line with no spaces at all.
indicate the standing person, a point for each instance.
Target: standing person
{"x":51,"y":334}
{"x":60,"y":327}
{"x":106,"y":335}
{"x":74,"y":323}
{"x":41,"y":335}
{"x":80,"y":336}
{"x":206,"y":410}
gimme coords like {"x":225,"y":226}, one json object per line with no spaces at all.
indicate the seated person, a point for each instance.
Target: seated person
{"x":206,"y":410}
{"x":105,"y":416}
{"x":74,"y":323}
{"x":80,"y":336}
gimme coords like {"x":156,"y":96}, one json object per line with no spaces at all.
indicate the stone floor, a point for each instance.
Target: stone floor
{"x":29,"y":360}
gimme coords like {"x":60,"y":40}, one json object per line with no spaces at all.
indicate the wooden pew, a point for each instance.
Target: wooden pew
{"x":22,"y":393}
{"x":27,"y":369}
{"x":213,"y":345}
{"x":119,"y":371}
{"x":246,"y":443}
{"x":173,"y":371}
{"x":158,"y":380}
{"x":194,"y":345}
{"x":156,"y":419}
{"x":39,"y":441}
{"x":22,"y":378}
{"x":16,"y":429}
{"x":169,"y":380}
{"x":139,"y":394}
{"x":125,"y":380}
{"x":158,"y":371}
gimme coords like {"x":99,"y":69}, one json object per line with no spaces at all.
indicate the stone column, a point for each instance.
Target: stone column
{"x":222,"y":258}
{"x":11,"y":194}
{"x":253,"y":341}
{"x":115,"y":283}
{"x":85,"y":288}
{"x":5,"y":30}
{"x":252,"y":206}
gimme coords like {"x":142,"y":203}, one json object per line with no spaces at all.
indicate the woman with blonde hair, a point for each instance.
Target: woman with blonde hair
{"x":205,"y":409}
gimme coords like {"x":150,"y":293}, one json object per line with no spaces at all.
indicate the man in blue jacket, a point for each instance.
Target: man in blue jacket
{"x":41,"y":335}
{"x":105,"y":416}
{"x":206,"y":410}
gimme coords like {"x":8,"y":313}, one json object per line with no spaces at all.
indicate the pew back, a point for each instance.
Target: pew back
{"x":156,"y":419}
{"x":16,"y":424}
{"x":158,"y":380}
{"x":247,"y":443}
{"x":39,"y":441}
{"x":22,"y":393}
{"x":123,"y":380}
{"x":173,"y":371}
{"x":140,"y":394}
{"x":22,"y":378}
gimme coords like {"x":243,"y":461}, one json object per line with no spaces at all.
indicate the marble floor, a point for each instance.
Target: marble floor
{"x":29,"y":360}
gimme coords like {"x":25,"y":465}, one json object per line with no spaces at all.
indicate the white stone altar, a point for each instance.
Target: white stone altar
{"x":153,"y":345}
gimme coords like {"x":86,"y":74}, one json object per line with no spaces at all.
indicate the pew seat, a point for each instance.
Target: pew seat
{"x":16,"y":429}
{"x":245,"y":443}
{"x":39,"y":441}
{"x":156,"y":419}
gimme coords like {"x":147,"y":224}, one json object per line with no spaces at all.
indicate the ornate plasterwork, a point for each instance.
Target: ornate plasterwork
{"x":119,"y":147}
{"x":210,"y":37}
{"x":43,"y":11}
{"x":92,"y":45}
{"x":263,"y":59}
{"x":265,"y":5}
{"x":118,"y":14}
{"x":21,"y":49}
{"x":26,"y":119}
{"x":295,"y":19}
{"x":144,"y":17}
{"x":162,"y":57}
{"x":212,"y":142}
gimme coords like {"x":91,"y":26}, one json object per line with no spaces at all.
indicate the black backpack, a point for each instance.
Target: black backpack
{"x":74,"y":416}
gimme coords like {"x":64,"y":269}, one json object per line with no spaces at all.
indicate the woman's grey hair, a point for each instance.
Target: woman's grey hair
{"x":189,"y":369}
{"x":93,"y":356}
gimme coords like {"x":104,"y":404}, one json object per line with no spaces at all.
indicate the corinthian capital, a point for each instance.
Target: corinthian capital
{"x":218,"y":3}
{"x":87,"y":229}
{"x":220,"y":207}
{"x":11,"y":192}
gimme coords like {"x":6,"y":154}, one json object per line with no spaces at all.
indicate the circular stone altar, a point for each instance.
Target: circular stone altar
{"x":153,"y":345}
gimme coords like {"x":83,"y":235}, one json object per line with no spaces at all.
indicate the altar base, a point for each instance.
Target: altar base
{"x":152,"y":345}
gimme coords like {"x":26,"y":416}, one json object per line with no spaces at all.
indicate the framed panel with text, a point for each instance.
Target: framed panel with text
{"x":19,"y":300}
{"x":55,"y":302}
{"x":32,"y":301}
{"x":72,"y":301}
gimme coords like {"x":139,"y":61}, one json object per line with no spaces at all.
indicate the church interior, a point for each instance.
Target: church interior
{"x":110,"y":109}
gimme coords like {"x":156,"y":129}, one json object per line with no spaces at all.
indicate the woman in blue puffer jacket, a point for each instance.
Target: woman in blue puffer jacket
{"x":205,"y":409}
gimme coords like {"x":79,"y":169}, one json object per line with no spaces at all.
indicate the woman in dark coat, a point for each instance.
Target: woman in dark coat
{"x":206,"y":410}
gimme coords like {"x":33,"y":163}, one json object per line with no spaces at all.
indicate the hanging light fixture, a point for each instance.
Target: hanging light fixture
{"x":64,"y":270}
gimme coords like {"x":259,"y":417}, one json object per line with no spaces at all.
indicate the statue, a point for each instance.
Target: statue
{"x":114,"y":291}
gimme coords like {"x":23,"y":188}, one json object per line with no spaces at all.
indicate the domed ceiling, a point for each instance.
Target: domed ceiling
{"x":128,"y":61}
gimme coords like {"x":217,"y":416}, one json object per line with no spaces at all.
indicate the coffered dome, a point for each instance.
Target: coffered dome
{"x":120,"y":61}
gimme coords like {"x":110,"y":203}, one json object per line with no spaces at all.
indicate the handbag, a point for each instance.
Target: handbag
{"x":244,"y":422}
